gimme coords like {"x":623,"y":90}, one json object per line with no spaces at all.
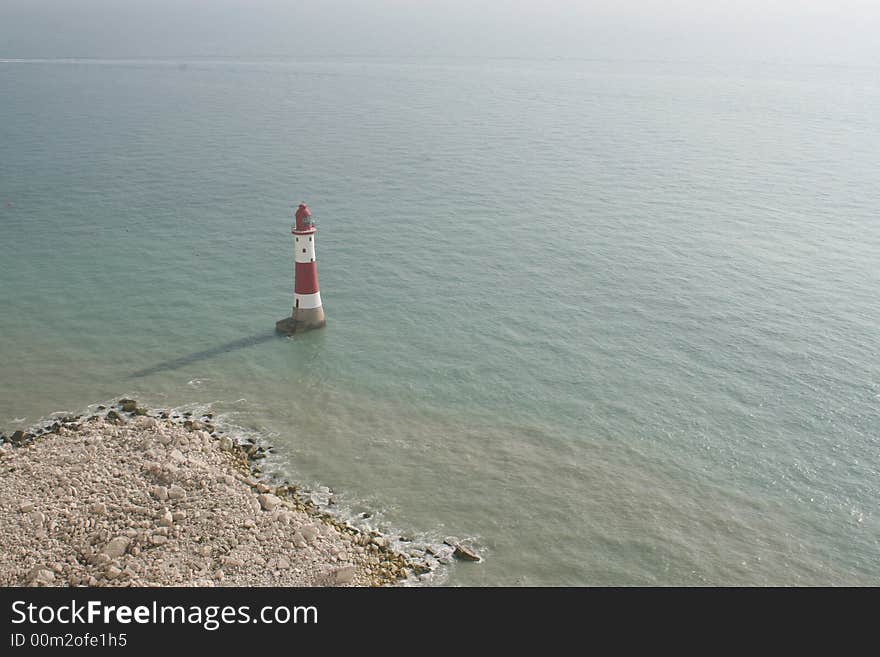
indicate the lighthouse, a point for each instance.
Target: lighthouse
{"x":308,"y":313}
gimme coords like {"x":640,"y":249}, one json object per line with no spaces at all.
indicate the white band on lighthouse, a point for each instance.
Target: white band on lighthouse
{"x":306,"y":301}
{"x":305,"y":248}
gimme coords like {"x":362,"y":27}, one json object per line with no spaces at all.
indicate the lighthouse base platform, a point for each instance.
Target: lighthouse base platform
{"x":303,"y":319}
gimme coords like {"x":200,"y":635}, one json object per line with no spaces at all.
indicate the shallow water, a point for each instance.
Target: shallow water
{"x":614,"y":322}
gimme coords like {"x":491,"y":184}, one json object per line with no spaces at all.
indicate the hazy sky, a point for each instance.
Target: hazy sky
{"x":834,"y":31}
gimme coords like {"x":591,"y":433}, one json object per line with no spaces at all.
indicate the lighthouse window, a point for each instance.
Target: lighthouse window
{"x":310,"y":239}
{"x":304,"y":250}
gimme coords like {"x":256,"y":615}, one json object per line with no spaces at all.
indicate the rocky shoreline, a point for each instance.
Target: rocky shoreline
{"x":130,"y":496}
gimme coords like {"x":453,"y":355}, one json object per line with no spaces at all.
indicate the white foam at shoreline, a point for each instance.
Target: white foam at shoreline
{"x":433,"y":551}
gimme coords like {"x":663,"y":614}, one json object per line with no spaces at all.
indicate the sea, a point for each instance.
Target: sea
{"x":612,"y":323}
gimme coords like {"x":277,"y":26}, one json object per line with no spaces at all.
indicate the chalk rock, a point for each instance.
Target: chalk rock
{"x":226,"y":443}
{"x":310,"y":533}
{"x":116,"y":547}
{"x":100,"y":559}
{"x":268,"y":501}
{"x":166,"y":519}
{"x":344,"y":575}
{"x":40,"y":576}
{"x":175,"y":492}
{"x":465,"y":553}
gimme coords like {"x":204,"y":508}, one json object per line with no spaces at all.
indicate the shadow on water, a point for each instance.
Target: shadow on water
{"x":195,"y":357}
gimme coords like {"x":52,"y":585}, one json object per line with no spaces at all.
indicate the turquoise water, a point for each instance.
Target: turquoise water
{"x":617,"y":323}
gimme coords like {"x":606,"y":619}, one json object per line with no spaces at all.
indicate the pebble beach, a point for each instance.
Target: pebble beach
{"x":136,"y":497}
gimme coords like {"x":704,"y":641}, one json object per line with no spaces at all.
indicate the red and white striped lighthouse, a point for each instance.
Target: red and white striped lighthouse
{"x":308,"y":313}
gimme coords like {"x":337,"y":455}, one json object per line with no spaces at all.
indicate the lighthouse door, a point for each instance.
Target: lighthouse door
{"x":297,"y":304}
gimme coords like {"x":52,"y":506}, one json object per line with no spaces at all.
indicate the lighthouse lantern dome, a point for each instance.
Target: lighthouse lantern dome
{"x":303,"y":217}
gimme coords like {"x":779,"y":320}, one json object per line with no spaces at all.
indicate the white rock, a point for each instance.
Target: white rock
{"x":116,"y":547}
{"x":26,"y":507}
{"x":225,"y":443}
{"x":166,"y":519}
{"x":160,"y":493}
{"x":40,"y":576}
{"x":175,"y":492}
{"x":268,"y":501}
{"x":101,"y":559}
{"x":344,"y":575}
{"x":177,"y":455}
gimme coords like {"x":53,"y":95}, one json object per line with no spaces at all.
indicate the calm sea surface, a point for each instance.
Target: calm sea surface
{"x":616,"y":323}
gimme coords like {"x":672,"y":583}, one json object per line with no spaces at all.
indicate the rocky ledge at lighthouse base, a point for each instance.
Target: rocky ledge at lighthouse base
{"x":286,"y":326}
{"x":136,"y":500}
{"x":305,"y":320}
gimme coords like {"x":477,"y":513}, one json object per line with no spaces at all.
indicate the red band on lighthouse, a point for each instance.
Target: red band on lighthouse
{"x":306,"y":277}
